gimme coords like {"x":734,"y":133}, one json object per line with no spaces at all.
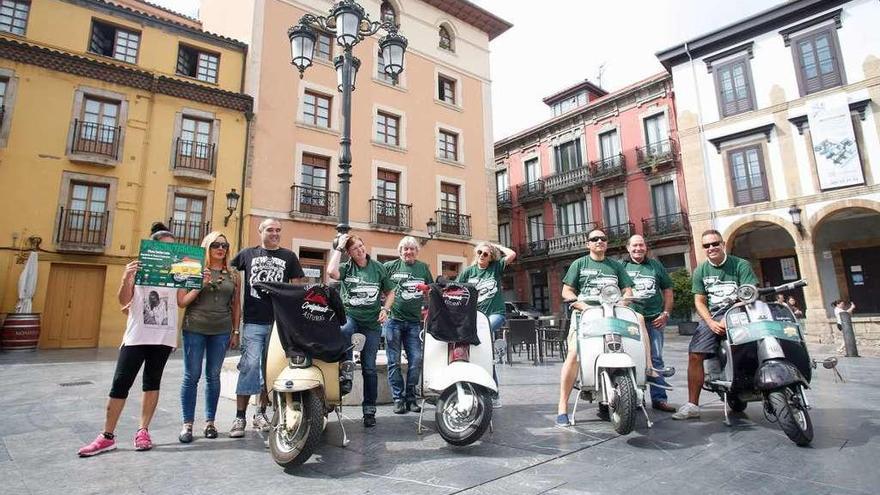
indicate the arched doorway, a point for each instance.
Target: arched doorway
{"x":771,"y":250}
{"x":847,"y":247}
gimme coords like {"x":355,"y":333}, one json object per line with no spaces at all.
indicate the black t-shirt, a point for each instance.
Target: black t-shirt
{"x":264,"y":265}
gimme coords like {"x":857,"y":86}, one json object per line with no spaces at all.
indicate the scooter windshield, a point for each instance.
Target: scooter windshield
{"x":604,"y":326}
{"x":757,"y":330}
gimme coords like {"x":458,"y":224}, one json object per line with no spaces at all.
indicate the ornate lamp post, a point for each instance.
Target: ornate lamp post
{"x":350,"y":24}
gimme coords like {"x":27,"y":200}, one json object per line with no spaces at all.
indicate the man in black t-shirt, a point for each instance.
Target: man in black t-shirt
{"x":268,"y":262}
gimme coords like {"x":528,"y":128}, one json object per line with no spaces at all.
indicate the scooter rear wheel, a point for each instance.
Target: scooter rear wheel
{"x":294,"y":446}
{"x":793,"y":418}
{"x":463,"y":431}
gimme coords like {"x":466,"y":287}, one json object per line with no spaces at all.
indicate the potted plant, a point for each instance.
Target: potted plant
{"x":683,"y":307}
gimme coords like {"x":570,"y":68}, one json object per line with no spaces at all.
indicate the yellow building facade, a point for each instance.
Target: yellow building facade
{"x":114,"y":115}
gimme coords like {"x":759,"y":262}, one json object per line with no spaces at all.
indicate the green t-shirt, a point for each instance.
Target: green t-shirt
{"x":490,"y":300}
{"x":649,"y":281}
{"x":587,"y":276}
{"x":407,"y":297}
{"x":719,"y":282}
{"x":360,"y":291}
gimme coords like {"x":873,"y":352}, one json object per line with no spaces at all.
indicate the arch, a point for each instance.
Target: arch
{"x":394,"y":7}
{"x":731,"y":231}
{"x":820,"y":217}
{"x":446,"y":37}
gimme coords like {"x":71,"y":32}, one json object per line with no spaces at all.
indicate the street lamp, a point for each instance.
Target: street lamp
{"x":795,"y":214}
{"x":351,"y":24}
{"x":231,"y":205}
{"x":432,"y":231}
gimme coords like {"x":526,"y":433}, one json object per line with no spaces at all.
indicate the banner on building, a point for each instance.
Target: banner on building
{"x":834,"y":143}
{"x":167,"y":264}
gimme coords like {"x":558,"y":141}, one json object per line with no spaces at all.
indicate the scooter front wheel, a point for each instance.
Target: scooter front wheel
{"x":459,"y":427}
{"x":623,"y":410}
{"x":793,"y":417}
{"x":294,"y":445}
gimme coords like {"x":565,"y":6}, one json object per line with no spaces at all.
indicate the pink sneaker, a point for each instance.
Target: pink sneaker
{"x":142,"y":440}
{"x":100,"y":444}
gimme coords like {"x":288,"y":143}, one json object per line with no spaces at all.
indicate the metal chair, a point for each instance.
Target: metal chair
{"x":525,"y":333}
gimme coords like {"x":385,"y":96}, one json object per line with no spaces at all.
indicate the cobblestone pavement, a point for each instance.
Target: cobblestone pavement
{"x":45,"y":423}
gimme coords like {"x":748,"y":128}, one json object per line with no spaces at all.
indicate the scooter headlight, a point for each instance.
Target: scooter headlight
{"x":609,"y":294}
{"x":747,"y":293}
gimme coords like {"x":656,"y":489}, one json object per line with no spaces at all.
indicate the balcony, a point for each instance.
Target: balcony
{"x":674,"y":226}
{"x":193,"y":159}
{"x":656,"y":155}
{"x":534,"y":248}
{"x":609,"y":168}
{"x":80,"y":230}
{"x":532,"y":191}
{"x":390,"y":214}
{"x":572,"y":243}
{"x":504,"y":200}
{"x":94,"y":139}
{"x":619,"y":234}
{"x":314,"y":203}
{"x":454,"y":223}
{"x":570,"y":179}
{"x":190,"y":233}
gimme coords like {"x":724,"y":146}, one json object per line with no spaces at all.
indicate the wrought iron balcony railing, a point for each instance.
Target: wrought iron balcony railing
{"x":569,"y":179}
{"x":531,"y":191}
{"x":190,"y":233}
{"x":665,"y":226}
{"x":572,"y":243}
{"x":452,"y":222}
{"x":192,"y":155}
{"x":534,"y":248}
{"x":314,"y":201}
{"x":89,"y":137}
{"x":619,"y":234}
{"x":390,"y":214}
{"x":82,"y":228}
{"x":656,"y":154}
{"x":609,"y":168}
{"x":504,"y":200}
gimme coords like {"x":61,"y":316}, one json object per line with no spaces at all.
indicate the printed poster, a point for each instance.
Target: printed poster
{"x":168,"y":264}
{"x":834,"y":143}
{"x":789,"y":269}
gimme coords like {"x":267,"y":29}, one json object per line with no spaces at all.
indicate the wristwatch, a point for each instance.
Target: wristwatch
{"x":235,"y":332}
{"x":665,"y":313}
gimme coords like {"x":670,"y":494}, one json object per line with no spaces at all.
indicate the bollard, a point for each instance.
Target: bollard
{"x":849,"y":336}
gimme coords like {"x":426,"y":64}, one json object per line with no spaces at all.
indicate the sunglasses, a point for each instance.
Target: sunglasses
{"x":711,"y":244}
{"x":598,"y":239}
{"x":481,"y":253}
{"x":219,"y":245}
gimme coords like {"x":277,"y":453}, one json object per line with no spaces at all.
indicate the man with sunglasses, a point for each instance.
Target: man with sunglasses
{"x":714,"y":280}
{"x":586,"y":277}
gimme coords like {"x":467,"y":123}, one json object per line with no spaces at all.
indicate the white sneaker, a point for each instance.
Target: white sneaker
{"x":238,"y":426}
{"x":496,"y":403}
{"x":687,"y":411}
{"x":261,"y":422}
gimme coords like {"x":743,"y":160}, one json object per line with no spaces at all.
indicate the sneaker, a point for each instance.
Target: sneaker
{"x":656,"y":381}
{"x":369,"y":420}
{"x":210,"y":431}
{"x":399,"y":407}
{"x":662,"y":405}
{"x":100,"y":444}
{"x":261,"y":422}
{"x":687,"y":411}
{"x":562,"y":421}
{"x":238,"y":427}
{"x":142,"y":440}
{"x":496,"y":402}
{"x":414,"y":406}
{"x":186,"y":434}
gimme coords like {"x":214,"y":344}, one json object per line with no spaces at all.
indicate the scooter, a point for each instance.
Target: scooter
{"x":304,"y":390}
{"x":457,"y":377}
{"x":763,"y":358}
{"x":611,"y":356}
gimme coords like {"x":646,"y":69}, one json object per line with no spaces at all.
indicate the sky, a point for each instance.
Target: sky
{"x":567,"y":41}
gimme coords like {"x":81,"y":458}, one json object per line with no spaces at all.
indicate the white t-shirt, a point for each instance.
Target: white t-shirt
{"x":152,"y":317}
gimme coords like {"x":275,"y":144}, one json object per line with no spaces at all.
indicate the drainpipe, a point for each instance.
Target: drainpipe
{"x":249,"y":116}
{"x":703,"y":154}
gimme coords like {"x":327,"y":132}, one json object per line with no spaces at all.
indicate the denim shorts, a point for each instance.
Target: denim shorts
{"x":254,"y":343}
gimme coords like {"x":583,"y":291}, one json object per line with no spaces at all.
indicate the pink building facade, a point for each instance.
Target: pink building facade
{"x":606,"y":160}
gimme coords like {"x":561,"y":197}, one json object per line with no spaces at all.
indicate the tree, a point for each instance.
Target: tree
{"x":683,"y":307}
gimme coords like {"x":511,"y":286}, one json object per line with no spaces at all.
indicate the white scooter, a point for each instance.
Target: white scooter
{"x":611,"y":352}
{"x":457,"y":380}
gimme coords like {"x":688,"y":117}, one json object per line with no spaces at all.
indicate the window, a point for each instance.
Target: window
{"x":445,"y":39}
{"x":387,"y":13}
{"x":609,"y":145}
{"x":615,"y":212}
{"x":316,"y":109}
{"x":313,"y":197}
{"x":535,"y":228}
{"x":733,"y":82}
{"x":188,"y":219}
{"x":85,"y":219}
{"x":533,"y":171}
{"x":387,"y":128}
{"x":655,"y":131}
{"x":448,"y":145}
{"x":817,"y":58}
{"x":14,"y":15}
{"x":4,"y":84}
{"x":194,"y":147}
{"x":567,"y":104}
{"x":663,"y":199}
{"x":572,"y":217}
{"x":380,"y":71}
{"x":540,"y":292}
{"x":324,"y":46}
{"x":97,"y":130}
{"x":313,"y":263}
{"x":387,"y":185}
{"x":504,"y":234}
{"x":449,"y":197}
{"x":568,"y":156}
{"x":672,"y":262}
{"x":450,"y":269}
{"x":502,"y":181}
{"x":747,"y":175}
{"x":111,"y":41}
{"x":198,"y":64}
{"x":446,"y":90}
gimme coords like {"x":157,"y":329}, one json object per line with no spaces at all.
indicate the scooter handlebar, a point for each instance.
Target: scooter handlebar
{"x":783,"y":288}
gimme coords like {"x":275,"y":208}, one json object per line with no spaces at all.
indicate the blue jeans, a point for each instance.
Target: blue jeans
{"x":496,"y":321}
{"x":399,"y":332}
{"x":198,"y":348}
{"x":254,"y":342}
{"x":656,"y":334}
{"x":368,"y":361}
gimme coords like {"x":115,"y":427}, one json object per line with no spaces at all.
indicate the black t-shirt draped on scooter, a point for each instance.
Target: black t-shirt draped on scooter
{"x":452,"y":313}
